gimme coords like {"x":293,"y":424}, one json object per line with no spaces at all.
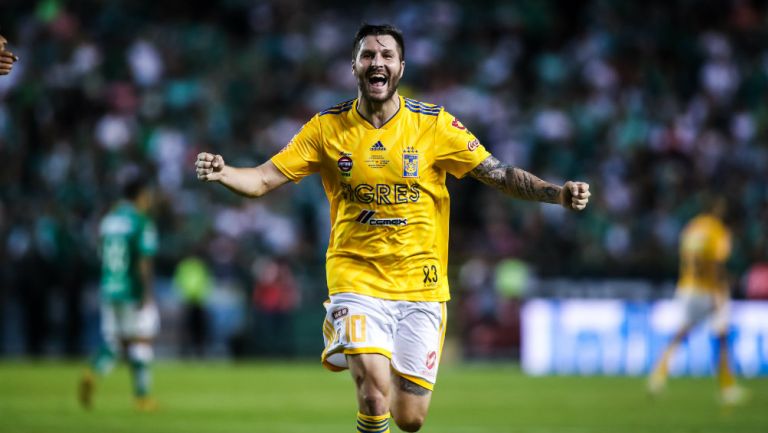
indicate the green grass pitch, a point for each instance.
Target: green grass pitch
{"x":286,"y":397}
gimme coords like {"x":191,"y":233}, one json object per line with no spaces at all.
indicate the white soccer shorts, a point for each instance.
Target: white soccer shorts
{"x":698,"y":307}
{"x":126,"y":320}
{"x":410,"y":334}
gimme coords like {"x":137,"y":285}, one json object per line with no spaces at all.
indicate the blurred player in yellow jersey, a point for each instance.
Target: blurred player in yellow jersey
{"x":383,"y":160}
{"x":703,"y":292}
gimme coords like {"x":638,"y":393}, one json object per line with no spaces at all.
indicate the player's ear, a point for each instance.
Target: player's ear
{"x":402,"y":69}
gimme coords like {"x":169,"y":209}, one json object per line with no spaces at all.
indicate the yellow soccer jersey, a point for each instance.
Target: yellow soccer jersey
{"x":386,"y":188}
{"x":705,"y":245}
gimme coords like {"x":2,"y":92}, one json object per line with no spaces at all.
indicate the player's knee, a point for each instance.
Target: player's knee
{"x":374,"y":402}
{"x":372,"y":399}
{"x":409,"y":422}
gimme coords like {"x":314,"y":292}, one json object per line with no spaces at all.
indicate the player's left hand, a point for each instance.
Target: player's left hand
{"x":7,"y":58}
{"x":575,"y":195}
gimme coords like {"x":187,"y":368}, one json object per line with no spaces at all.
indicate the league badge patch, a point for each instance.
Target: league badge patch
{"x":341,"y":312}
{"x":345,"y":164}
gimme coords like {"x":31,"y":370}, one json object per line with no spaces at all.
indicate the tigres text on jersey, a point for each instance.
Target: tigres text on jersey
{"x":387,"y":194}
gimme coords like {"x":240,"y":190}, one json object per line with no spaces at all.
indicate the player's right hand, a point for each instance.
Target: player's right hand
{"x":209,"y":166}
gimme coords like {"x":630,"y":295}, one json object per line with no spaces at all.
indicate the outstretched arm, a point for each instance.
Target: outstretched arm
{"x":250,"y":182}
{"x":523,"y":185}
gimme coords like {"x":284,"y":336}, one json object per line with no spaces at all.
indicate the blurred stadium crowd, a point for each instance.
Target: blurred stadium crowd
{"x":651,"y":102}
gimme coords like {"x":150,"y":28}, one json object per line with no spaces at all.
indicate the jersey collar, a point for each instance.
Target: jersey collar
{"x":388,"y":124}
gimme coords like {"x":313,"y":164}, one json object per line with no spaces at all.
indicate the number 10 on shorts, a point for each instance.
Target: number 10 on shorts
{"x":356,"y":328}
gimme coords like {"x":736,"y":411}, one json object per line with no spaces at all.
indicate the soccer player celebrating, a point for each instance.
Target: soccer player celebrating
{"x":129,"y":318}
{"x":7,"y":58}
{"x":702,"y":291}
{"x":383,"y":160}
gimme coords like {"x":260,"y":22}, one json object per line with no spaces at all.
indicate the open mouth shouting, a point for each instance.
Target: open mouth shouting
{"x":377,"y":82}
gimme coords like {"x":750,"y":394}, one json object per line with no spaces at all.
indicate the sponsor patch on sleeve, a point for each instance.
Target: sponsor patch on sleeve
{"x":472,"y":145}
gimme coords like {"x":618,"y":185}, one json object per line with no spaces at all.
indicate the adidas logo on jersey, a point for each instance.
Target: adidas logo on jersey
{"x":378,"y":146}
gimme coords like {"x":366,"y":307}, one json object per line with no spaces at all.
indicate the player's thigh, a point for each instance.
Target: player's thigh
{"x":371,"y":374}
{"x":371,"y":368}
{"x":418,"y":342}
{"x":356,"y":324}
{"x":695,"y":308}
{"x":110,"y":324}
{"x":410,"y":401}
{"x":721,"y":318}
{"x":141,"y":323}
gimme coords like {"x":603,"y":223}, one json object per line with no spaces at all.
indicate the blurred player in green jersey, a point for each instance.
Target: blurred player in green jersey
{"x":129,"y":318}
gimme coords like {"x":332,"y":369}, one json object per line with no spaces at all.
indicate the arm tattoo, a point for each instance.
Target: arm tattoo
{"x":515,"y":182}
{"x":410,"y":387}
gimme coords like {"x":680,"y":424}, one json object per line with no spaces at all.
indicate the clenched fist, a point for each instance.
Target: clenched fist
{"x":7,"y":58}
{"x":575,"y":195}
{"x":209,"y":166}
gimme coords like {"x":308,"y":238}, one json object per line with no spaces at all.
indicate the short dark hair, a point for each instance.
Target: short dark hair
{"x":132,"y":180}
{"x":134,"y":187}
{"x":378,"y":30}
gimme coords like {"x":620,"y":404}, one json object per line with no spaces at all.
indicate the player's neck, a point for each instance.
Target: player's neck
{"x":378,"y":113}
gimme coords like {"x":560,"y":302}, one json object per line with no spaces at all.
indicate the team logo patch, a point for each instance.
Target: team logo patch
{"x":431,"y":360}
{"x":472,"y":145}
{"x":410,"y":162}
{"x":456,"y":124}
{"x":410,"y":165}
{"x":341,"y":312}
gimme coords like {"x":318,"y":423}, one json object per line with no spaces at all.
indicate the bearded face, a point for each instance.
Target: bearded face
{"x":378,"y":67}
